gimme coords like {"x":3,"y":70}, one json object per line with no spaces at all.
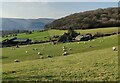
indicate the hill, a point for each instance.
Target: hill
{"x":24,"y":24}
{"x":96,"y":63}
{"x":108,"y":17}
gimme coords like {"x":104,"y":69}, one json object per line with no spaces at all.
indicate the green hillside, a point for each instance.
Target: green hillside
{"x":43,"y":36}
{"x":87,"y":60}
{"x":97,"y":65}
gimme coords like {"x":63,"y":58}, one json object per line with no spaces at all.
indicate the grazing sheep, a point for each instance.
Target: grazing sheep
{"x":35,"y":48}
{"x":41,"y":57}
{"x":114,"y":48}
{"x":64,"y":49}
{"x":16,"y":60}
{"x":65,"y":53}
{"x":39,"y":53}
{"x":26,"y":51}
{"x":49,"y":56}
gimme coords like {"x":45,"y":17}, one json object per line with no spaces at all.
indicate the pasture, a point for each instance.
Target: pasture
{"x":93,"y":61}
{"x":87,"y":60}
{"x":43,"y":36}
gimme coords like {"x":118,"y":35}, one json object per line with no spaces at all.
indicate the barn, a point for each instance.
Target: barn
{"x":16,"y":41}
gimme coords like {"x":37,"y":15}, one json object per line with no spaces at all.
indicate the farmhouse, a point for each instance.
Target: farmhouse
{"x":83,"y":37}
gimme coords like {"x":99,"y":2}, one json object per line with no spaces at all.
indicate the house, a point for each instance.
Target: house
{"x":83,"y":37}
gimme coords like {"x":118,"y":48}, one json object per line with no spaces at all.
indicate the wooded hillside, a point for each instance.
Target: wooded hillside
{"x":99,"y":18}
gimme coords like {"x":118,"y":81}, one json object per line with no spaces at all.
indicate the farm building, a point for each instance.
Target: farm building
{"x":83,"y":37}
{"x":22,"y":40}
{"x":15,"y":41}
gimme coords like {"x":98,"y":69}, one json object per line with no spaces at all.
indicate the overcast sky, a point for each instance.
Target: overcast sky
{"x":49,"y":9}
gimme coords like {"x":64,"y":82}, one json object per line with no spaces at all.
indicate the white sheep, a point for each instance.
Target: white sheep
{"x":26,"y":51}
{"x":64,"y":49}
{"x":39,"y":53}
{"x":16,"y":60}
{"x":35,"y":48}
{"x":65,"y":53}
{"x":114,"y":48}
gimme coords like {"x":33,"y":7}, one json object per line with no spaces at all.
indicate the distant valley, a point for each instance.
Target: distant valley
{"x":24,"y":24}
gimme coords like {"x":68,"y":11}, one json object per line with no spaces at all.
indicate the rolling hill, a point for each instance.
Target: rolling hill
{"x":24,"y":24}
{"x":108,"y":17}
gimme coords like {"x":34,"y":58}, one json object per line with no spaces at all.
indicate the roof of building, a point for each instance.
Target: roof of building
{"x":20,"y":39}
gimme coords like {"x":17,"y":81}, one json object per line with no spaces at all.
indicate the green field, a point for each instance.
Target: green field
{"x":87,"y":60}
{"x":98,"y":62}
{"x":46,"y":34}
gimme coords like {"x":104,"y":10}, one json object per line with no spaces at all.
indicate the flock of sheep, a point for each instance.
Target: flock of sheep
{"x":63,"y":48}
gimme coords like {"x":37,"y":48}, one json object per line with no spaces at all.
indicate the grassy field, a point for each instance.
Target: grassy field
{"x":97,"y":65}
{"x":93,"y":61}
{"x":46,"y":34}
{"x":87,"y":60}
{"x":46,"y":49}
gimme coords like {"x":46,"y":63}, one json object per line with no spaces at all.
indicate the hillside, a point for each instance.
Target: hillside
{"x":89,"y":19}
{"x":44,"y":35}
{"x":96,"y":63}
{"x":24,"y":24}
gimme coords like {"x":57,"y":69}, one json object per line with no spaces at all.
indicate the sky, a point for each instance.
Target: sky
{"x":33,"y":10}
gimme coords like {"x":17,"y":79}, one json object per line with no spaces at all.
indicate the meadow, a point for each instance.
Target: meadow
{"x":43,"y":36}
{"x":87,"y":60}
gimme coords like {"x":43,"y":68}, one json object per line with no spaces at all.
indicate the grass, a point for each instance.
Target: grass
{"x":97,"y":65}
{"x":42,"y":36}
{"x":46,"y":49}
{"x":93,"y":61}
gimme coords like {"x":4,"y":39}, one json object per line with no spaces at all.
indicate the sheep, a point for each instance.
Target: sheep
{"x":26,"y":51}
{"x":64,"y":49}
{"x":114,"y":48}
{"x":41,"y":57}
{"x":65,"y":53}
{"x":49,"y":56}
{"x":39,"y":53}
{"x":16,"y":60}
{"x":35,"y":48}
